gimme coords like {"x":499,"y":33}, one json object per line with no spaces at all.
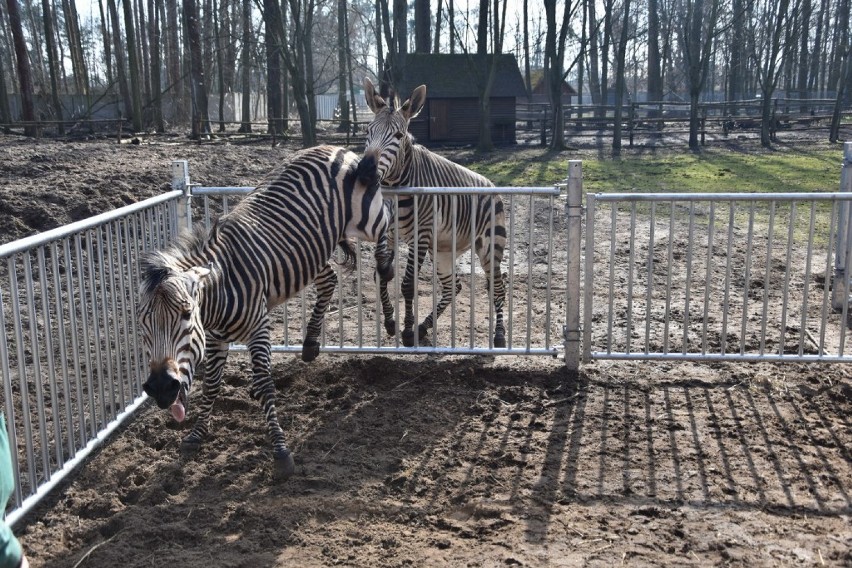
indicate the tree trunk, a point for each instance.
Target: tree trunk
{"x":245,"y":64}
{"x":23,"y":61}
{"x":52,"y":60}
{"x":107,"y":40}
{"x":144,"y":53}
{"x":198,"y":88}
{"x":121,"y":70}
{"x":154,"y":7}
{"x":173,"y":57}
{"x":342,"y":103}
{"x":594,"y":55}
{"x":655,"y":74}
{"x":75,"y":47}
{"x":527,"y":78}
{"x":271,"y":17}
{"x":482,"y":29}
{"x":422,"y":26}
{"x":133,"y":63}
{"x":621,"y":65}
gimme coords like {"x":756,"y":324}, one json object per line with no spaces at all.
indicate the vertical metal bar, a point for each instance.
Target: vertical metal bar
{"x":96,"y":335}
{"x":766,"y":276}
{"x":747,"y":282}
{"x":574,"y":220}
{"x":835,"y":210}
{"x":688,"y":287}
{"x":491,"y":278}
{"x":63,"y":346}
{"x":454,"y":201}
{"x":397,"y":282}
{"x":649,"y":286}
{"x":417,"y":268}
{"x":787,"y":269}
{"x":531,"y":260}
{"x":51,"y":362}
{"x":126,"y":310}
{"x":360,"y":294}
{"x":711,"y":229}
{"x":36,"y":356}
{"x":86,"y":336}
{"x":631,"y":259}
{"x":844,"y":312}
{"x":670,"y":257}
{"x":105,"y":380}
{"x":510,"y":288}
{"x":840,"y":290}
{"x":180,"y":181}
{"x":206,"y":201}
{"x":591,"y":209}
{"x":114,"y":333}
{"x":726,"y":302}
{"x":434,"y":253}
{"x":806,"y":283}
{"x":75,"y":346}
{"x":5,"y":367}
{"x":551,"y":205}
{"x":611,"y":261}
{"x":26,"y":415}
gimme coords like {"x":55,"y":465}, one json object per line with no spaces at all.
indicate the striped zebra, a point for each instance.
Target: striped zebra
{"x":403,"y":163}
{"x":218,"y":286}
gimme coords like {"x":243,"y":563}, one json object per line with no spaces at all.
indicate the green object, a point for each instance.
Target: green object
{"x":10,"y":548}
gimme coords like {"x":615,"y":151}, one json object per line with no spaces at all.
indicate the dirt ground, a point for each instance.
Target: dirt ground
{"x":441,"y":461}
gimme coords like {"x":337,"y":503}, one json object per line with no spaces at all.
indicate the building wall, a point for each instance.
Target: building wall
{"x":456,"y":121}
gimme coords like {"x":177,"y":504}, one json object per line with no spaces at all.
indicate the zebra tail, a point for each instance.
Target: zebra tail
{"x":350,"y":255}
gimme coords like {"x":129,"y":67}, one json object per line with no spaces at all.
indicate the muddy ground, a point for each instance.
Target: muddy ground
{"x":447,"y":461}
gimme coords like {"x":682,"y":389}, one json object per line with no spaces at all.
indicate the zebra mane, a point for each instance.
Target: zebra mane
{"x":156,"y":266}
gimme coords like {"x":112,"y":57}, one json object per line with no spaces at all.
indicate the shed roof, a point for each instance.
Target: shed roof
{"x":451,"y":75}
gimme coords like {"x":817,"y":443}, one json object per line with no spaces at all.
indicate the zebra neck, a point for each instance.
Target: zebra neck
{"x":400,"y":174}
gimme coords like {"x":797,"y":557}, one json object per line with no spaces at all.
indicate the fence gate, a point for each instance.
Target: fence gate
{"x":711,"y":277}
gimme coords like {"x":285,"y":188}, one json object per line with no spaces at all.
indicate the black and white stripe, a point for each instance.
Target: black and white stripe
{"x":402,"y":163}
{"x":218,"y":286}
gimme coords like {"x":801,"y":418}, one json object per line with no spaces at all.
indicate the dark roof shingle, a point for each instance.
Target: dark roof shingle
{"x":455,"y":75}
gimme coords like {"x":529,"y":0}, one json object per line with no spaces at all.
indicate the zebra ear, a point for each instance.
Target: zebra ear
{"x":374,"y":101}
{"x":414,"y":105}
{"x":193,"y":277}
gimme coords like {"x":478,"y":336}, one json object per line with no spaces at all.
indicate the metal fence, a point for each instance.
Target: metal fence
{"x":710,"y":277}
{"x":71,"y":366}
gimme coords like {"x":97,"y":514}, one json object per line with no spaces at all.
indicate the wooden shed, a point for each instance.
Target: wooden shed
{"x":451,"y":113}
{"x":540,"y":93}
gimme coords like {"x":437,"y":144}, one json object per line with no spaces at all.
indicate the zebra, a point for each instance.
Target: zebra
{"x":216,"y":286}
{"x":400,"y":162}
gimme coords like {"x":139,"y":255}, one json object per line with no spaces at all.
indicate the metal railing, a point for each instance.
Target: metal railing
{"x":722,"y":276}
{"x":70,"y":362}
{"x":534,"y":282}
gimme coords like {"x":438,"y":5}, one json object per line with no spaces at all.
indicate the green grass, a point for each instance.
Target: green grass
{"x":801,"y":169}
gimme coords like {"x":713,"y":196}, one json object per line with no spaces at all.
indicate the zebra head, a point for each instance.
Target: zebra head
{"x":387,"y":134}
{"x":171,"y":328}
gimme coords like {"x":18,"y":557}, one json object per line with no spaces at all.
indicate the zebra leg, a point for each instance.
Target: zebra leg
{"x":216,"y":353}
{"x":493,"y":274}
{"x":263,"y":387}
{"x":444,"y":264}
{"x":384,"y":273}
{"x":325,"y":283}
{"x":412,"y":269}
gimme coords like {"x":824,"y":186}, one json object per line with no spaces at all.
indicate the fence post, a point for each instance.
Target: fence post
{"x":573,"y":214}
{"x":839,"y":289}
{"x":180,"y":181}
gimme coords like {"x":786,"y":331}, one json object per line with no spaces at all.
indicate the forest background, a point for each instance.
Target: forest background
{"x":183,"y":54}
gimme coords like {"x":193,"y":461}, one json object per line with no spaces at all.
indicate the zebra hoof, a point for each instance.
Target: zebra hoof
{"x":390,"y":326}
{"x":283,"y":466}
{"x":386,"y":273}
{"x":499,"y":342}
{"x":189,"y":446}
{"x":310,"y":350}
{"x":408,"y":338}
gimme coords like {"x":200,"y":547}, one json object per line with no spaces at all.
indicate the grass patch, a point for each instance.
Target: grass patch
{"x":807,"y":169}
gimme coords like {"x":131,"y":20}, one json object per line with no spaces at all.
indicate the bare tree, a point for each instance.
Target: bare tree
{"x":198,"y":87}
{"x":245,"y":66}
{"x":154,"y":7}
{"x":53,"y":62}
{"x":554,"y":56}
{"x":620,"y":62}
{"x":120,"y":67}
{"x":274,"y":103}
{"x":342,"y":56}
{"x":297,"y":52}
{"x":655,"y":72}
{"x":133,"y":67}
{"x":767,"y":24}
{"x":422,"y":26}
{"x":23,"y":63}
{"x":75,"y":47}
{"x":697,"y":31}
